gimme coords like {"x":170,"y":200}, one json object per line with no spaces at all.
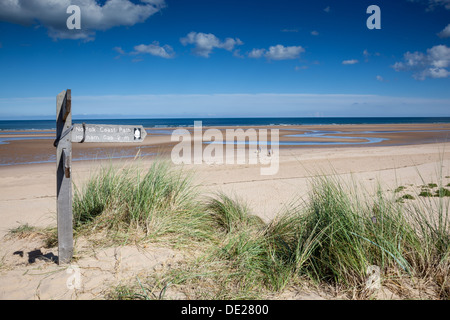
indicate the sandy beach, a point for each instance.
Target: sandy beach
{"x":410,"y":156}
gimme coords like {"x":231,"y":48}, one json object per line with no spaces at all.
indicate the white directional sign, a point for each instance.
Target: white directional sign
{"x":107,"y":133}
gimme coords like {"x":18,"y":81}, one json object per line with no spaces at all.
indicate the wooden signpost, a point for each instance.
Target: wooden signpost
{"x":66,"y":133}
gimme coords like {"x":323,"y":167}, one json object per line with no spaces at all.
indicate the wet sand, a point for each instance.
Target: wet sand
{"x":41,"y":150}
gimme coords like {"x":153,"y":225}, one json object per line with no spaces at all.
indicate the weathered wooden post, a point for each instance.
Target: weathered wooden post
{"x":63,"y":146}
{"x":66,"y":133}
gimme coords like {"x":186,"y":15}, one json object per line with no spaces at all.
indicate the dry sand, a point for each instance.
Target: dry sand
{"x":27,"y":196}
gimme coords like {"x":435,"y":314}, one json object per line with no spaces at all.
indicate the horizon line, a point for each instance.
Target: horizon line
{"x":137,"y":117}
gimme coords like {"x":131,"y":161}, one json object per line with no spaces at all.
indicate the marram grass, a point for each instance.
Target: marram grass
{"x":158,"y":202}
{"x":331,"y":238}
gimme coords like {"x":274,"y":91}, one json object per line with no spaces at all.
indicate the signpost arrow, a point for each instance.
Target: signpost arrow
{"x":108,"y":133}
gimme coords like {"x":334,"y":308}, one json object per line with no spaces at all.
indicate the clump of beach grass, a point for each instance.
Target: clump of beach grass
{"x":442,"y":192}
{"x":333,"y":237}
{"x":430,"y":218}
{"x":425,"y":193}
{"x":360,"y":232}
{"x":336,"y":235}
{"x":249,"y":259}
{"x":411,"y":241}
{"x":399,"y":189}
{"x":242,"y":245}
{"x":23,"y":230}
{"x":159,"y":202}
{"x":27,"y":231}
{"x":405,"y":197}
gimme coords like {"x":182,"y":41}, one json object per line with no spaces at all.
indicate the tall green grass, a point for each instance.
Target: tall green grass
{"x":359,"y":232}
{"x":334,"y":237}
{"x":330,"y":238}
{"x":160,"y":201}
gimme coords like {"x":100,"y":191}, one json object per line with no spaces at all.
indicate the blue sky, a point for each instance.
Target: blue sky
{"x":211,"y":58}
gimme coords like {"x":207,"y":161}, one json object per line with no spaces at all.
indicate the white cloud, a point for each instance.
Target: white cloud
{"x":380,"y":78}
{"x":229,"y":43}
{"x":256,"y":53}
{"x":445,"y":33}
{"x":434,"y":73}
{"x":433,"y":64}
{"x":237,"y":53}
{"x":206,"y":42}
{"x":155,"y":49}
{"x":119,"y":50}
{"x":366,"y":54}
{"x":436,"y":3}
{"x":53,"y":16}
{"x":432,"y":4}
{"x":327,"y":9}
{"x":314,"y":33}
{"x":353,"y":61}
{"x":299,"y":68}
{"x":278,"y":52}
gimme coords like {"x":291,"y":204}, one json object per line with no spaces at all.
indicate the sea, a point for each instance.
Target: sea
{"x":32,"y":125}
